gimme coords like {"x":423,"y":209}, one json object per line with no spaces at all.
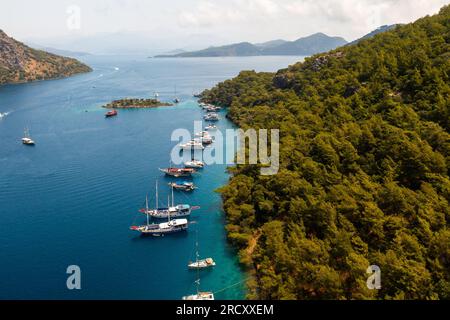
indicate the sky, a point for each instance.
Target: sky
{"x":159,"y":25}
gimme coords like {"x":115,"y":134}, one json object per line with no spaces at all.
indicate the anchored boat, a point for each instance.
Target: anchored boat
{"x":26,"y":140}
{"x":178,"y":172}
{"x":211,"y":127}
{"x":174,"y":211}
{"x":211,"y":117}
{"x":112,"y":113}
{"x":199,"y":295}
{"x":212,"y":109}
{"x":200,"y":263}
{"x":192,"y":145}
{"x":158,"y":229}
{"x":183,"y":186}
{"x":172,"y":226}
{"x":194,"y":164}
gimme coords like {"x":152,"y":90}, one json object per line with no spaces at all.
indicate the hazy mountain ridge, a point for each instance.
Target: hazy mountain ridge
{"x":316,"y":43}
{"x":20,"y":63}
{"x":375,"y":32}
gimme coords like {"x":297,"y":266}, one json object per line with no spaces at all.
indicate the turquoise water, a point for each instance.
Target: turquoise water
{"x":71,"y":199}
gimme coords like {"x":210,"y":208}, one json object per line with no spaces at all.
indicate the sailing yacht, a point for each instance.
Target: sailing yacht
{"x":176,"y":100}
{"x":199,"y":295}
{"x":175,"y":211}
{"x":26,"y":140}
{"x":171,"y":226}
{"x":178,"y":172}
{"x":201,"y":263}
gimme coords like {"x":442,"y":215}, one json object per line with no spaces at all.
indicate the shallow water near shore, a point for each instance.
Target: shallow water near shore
{"x":71,"y":199}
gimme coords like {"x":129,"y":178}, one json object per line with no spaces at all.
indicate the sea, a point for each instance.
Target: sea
{"x":70,"y":200}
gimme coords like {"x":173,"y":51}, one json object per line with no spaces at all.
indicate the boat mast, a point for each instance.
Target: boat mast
{"x":156,"y":207}
{"x":146,"y":209}
{"x":172,"y":198}
{"x":196,"y":262}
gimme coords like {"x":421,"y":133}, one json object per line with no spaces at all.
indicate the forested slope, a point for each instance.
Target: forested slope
{"x":20,"y":63}
{"x":364,"y":177}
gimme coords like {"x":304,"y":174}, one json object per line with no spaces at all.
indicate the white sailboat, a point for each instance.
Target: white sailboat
{"x":176,"y":99}
{"x":158,"y":229}
{"x":27,"y":139}
{"x":199,"y":295}
{"x":174,"y":211}
{"x":200,"y":263}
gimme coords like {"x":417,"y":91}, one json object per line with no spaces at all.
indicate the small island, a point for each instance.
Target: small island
{"x":136,"y":104}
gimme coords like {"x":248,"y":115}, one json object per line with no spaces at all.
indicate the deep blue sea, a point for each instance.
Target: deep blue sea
{"x":71,"y":199}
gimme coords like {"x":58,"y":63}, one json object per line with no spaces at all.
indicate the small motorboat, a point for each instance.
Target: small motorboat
{"x":211,"y":127}
{"x":202,"y":264}
{"x":202,"y":134}
{"x":211,"y":117}
{"x":183,"y":186}
{"x":194,"y":164}
{"x":192,"y":145}
{"x":207,"y":140}
{"x":212,"y":109}
{"x":111,"y":113}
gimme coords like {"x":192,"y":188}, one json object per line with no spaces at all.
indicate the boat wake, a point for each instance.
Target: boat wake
{"x":117,"y":69}
{"x":3,"y":115}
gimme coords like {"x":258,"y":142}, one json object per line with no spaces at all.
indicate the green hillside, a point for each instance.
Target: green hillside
{"x":364,"y":177}
{"x":20,"y":63}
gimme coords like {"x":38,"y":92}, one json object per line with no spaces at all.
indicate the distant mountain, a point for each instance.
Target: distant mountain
{"x":375,"y":32}
{"x":271,"y":44}
{"x":316,"y":43}
{"x":20,"y":63}
{"x":176,"y":51}
{"x":61,"y":52}
{"x":310,"y":45}
{"x":237,"y":49}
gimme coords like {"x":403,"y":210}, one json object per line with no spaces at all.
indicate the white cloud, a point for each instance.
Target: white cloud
{"x":218,"y":21}
{"x":349,"y":18}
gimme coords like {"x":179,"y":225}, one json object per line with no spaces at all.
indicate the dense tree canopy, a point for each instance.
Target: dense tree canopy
{"x":364,"y":170}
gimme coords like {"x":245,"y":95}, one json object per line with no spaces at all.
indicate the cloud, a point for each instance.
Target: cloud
{"x":210,"y":13}
{"x":356,"y":16}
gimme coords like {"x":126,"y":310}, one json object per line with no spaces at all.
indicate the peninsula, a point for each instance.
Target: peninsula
{"x":136,"y":104}
{"x":20,"y":63}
